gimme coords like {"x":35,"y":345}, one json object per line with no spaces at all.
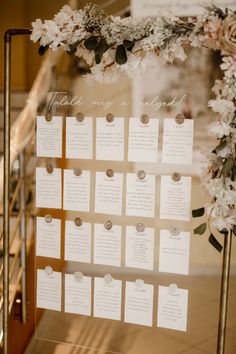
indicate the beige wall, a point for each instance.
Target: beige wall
{"x":25,"y":59}
{"x":20,"y":13}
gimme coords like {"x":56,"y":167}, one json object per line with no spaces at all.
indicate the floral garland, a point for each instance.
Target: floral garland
{"x":111,"y":46}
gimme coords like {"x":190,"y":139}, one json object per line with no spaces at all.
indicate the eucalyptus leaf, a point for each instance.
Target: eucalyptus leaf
{"x":121,"y":56}
{"x":72,"y":49}
{"x":198,"y":212}
{"x":215,"y":243}
{"x":200,"y":229}
{"x":91,"y":43}
{"x":128,"y":44}
{"x":98,"y":58}
{"x":102,"y":47}
{"x":228,"y":165}
{"x":42,"y":50}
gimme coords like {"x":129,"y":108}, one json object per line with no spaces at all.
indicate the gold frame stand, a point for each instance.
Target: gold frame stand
{"x":6,"y":215}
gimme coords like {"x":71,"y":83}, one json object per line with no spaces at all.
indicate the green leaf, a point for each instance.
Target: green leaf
{"x":228,"y":165}
{"x":198,"y":212}
{"x":215,"y":243}
{"x":234,"y":230}
{"x":102,"y":47}
{"x":121,"y":56}
{"x":91,"y":43}
{"x":200,"y":229}
{"x":98,"y":58}
{"x":128,"y":44}
{"x":42,"y":50}
{"x":72,"y":49}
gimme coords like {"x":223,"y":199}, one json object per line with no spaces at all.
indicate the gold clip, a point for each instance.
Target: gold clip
{"x":141,"y":174}
{"x":49,"y":168}
{"x":179,"y":119}
{"x":48,"y":219}
{"x":108,"y":279}
{"x":48,"y":270}
{"x":79,"y":117}
{"x":140,"y":227}
{"x":48,"y":116}
{"x":109,"y":173}
{"x":78,"y":276}
{"x":108,"y":225}
{"x":174,"y":231}
{"x":110,"y":117}
{"x":139,"y":283}
{"x":172,"y":288}
{"x":176,"y":177}
{"x":77,"y":171}
{"x":78,"y":222}
{"x":144,"y":119}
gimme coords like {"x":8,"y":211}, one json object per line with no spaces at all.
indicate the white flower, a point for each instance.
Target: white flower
{"x":225,"y":152}
{"x":64,"y":15}
{"x":218,"y":87}
{"x":87,"y":55}
{"x":222,"y":223}
{"x":220,"y":129}
{"x":229,"y":66}
{"x":54,"y":35}
{"x":38,"y":30}
{"x":224,"y":107}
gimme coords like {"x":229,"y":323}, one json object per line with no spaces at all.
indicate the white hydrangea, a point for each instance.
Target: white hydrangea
{"x":224,"y":107}
{"x":220,"y":129}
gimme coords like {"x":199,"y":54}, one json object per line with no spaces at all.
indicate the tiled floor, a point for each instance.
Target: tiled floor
{"x":115,"y":337}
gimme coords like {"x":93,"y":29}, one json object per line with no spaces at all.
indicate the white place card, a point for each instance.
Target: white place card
{"x":76,"y":191}
{"x":107,"y":299}
{"x":108,"y":194}
{"x":177,"y":142}
{"x":78,"y":295}
{"x":139,"y":248}
{"x":48,"y":290}
{"x":174,"y":252}
{"x":107,"y":245}
{"x":110,"y":139}
{"x":139,"y":303}
{"x":48,"y":240}
{"x":175,"y":198}
{"x":143,"y":140}
{"x":77,"y":242}
{"x":79,"y":138}
{"x":140,"y":195}
{"x":172,"y":308}
{"x":49,"y":137}
{"x":48,"y":188}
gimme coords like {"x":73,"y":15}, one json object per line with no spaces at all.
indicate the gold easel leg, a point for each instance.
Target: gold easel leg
{"x":6,"y":194}
{"x":6,"y":178}
{"x":224,"y":293}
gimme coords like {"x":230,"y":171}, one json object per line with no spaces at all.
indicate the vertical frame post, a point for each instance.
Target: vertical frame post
{"x":224,"y":293}
{"x":6,"y":177}
{"x":6,"y":187}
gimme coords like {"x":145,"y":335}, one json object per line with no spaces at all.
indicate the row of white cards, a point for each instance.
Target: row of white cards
{"x":107,"y":245}
{"x":142,"y":139}
{"x":139,"y":298}
{"x":175,"y":196}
